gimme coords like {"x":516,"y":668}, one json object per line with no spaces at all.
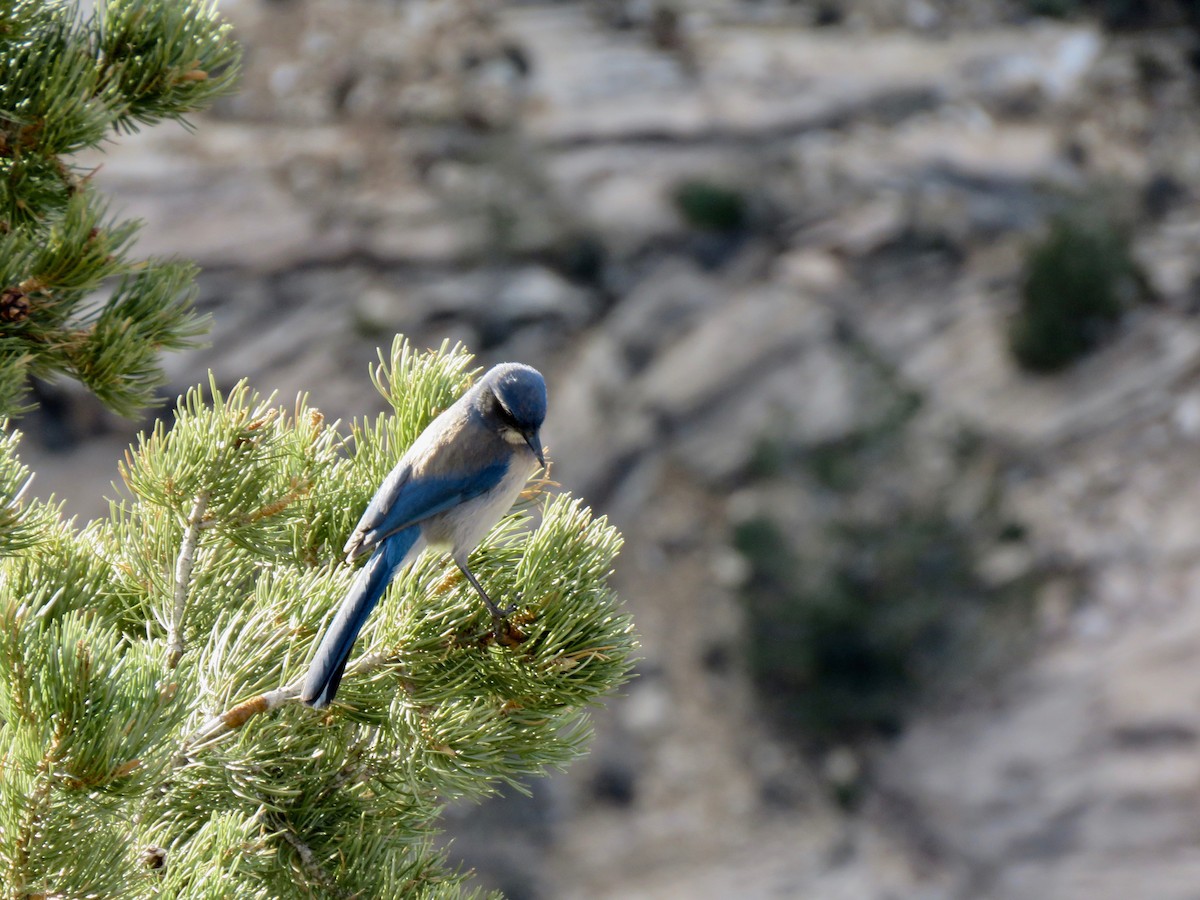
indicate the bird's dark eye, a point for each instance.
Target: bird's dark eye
{"x":505,"y":415}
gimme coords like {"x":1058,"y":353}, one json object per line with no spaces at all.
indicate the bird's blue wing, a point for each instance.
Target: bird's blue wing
{"x":404,"y":500}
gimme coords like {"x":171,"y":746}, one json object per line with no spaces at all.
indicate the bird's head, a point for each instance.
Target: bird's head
{"x":514,"y":402}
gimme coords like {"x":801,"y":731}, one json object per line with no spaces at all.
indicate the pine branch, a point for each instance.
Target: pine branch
{"x":308,"y":860}
{"x":242,"y":790}
{"x":23,"y":524}
{"x":183,"y":577}
{"x":160,"y":61}
{"x":68,"y":83}
{"x":35,"y":810}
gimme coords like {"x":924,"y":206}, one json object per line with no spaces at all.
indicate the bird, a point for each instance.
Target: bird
{"x":459,"y":477}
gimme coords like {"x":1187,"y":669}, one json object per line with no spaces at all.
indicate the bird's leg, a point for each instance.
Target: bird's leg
{"x":498,"y":614}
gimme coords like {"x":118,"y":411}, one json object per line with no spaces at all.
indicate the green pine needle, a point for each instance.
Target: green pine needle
{"x":24,"y":522}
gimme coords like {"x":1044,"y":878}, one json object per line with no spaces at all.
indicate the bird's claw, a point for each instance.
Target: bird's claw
{"x":499,"y":614}
{"x":504,"y":632}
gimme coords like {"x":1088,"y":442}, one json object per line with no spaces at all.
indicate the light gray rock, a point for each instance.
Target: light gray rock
{"x":590,"y":87}
{"x":762,"y":368}
{"x":1013,"y":800}
{"x":534,"y":292}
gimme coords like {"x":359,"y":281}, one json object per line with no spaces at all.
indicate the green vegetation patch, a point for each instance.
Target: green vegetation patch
{"x":1078,"y":282}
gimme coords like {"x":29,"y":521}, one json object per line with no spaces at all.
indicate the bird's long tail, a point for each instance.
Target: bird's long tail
{"x":325,"y":671}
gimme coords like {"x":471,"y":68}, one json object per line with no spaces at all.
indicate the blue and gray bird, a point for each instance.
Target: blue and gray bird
{"x":456,"y":481}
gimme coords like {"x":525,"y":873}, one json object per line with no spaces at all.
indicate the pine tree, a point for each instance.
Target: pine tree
{"x":68,"y":83}
{"x":151,"y":743}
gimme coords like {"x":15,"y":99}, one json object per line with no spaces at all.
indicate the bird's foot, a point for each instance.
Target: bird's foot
{"x":498,"y":614}
{"x":505,"y":632}
{"x":500,"y":625}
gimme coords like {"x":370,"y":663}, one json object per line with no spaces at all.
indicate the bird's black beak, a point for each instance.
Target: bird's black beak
{"x":535,"y":444}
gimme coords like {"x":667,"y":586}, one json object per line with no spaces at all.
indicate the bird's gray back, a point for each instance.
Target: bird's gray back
{"x":456,"y":443}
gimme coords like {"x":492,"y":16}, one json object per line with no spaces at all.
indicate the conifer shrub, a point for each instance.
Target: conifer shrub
{"x":1077,"y":283}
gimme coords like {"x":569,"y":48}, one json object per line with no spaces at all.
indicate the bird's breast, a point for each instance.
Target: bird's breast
{"x":460,"y":529}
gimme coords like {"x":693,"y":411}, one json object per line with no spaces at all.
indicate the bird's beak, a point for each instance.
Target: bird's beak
{"x":535,"y":444}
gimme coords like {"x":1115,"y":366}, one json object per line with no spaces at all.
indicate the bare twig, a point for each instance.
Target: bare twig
{"x":35,"y":807}
{"x":308,"y":862}
{"x":237,"y":716}
{"x":183,"y":577}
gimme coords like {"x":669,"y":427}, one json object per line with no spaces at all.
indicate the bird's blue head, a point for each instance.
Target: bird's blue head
{"x":514,"y":399}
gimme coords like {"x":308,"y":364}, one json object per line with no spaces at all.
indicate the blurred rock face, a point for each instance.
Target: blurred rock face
{"x":766,"y":254}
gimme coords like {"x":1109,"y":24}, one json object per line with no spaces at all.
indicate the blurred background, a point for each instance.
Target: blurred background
{"x":873,"y":326}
